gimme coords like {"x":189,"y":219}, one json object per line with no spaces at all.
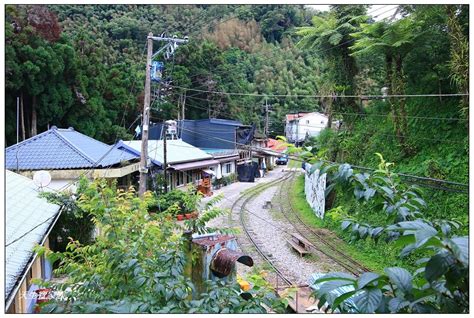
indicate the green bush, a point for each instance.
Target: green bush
{"x":176,"y":201}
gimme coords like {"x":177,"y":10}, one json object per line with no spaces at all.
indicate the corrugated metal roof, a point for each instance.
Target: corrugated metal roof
{"x":290,"y":117}
{"x":195,"y":165}
{"x":276,"y":145}
{"x":62,"y":149}
{"x":219,"y":121}
{"x":24,"y":211}
{"x":218,"y":152}
{"x":177,"y":151}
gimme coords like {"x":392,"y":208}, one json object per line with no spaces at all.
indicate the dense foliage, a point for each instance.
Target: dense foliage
{"x":73,"y":222}
{"x":440,"y":283}
{"x":91,"y":75}
{"x":83,"y":66}
{"x":137,"y":264}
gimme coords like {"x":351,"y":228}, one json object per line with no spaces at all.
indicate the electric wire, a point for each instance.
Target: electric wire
{"x":360,"y":114}
{"x":395,"y":136}
{"x":323,"y":96}
{"x":32,"y":229}
{"x":355,"y":166}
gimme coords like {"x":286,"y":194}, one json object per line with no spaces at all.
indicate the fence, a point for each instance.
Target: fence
{"x":314,"y":189}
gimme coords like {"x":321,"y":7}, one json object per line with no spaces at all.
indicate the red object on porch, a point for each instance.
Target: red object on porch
{"x":43,"y":295}
{"x":205,"y":186}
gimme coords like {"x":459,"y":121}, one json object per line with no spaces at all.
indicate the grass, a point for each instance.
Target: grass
{"x":293,"y":164}
{"x":375,"y":256}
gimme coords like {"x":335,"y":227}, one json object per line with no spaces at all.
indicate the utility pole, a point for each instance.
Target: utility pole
{"x":165,"y":157}
{"x":297,"y":128}
{"x":266,"y":122}
{"x":183,"y":103}
{"x":169,"y":49}
{"x":146,"y":119}
{"x":17,"y":119}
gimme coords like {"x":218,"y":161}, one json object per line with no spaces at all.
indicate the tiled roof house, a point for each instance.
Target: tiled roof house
{"x":67,"y":154}
{"x":29,"y":219}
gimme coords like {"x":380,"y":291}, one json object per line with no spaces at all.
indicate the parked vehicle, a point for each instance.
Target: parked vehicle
{"x":282,"y":160}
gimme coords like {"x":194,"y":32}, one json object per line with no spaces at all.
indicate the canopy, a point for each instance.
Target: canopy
{"x":209,"y":171}
{"x":194,"y":165}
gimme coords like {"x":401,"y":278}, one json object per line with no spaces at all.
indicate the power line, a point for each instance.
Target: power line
{"x":392,"y":135}
{"x":32,"y":229}
{"x":371,"y":114}
{"x":372,"y":12}
{"x":391,"y":9}
{"x":398,"y":116}
{"x":355,"y":166}
{"x":321,"y":96}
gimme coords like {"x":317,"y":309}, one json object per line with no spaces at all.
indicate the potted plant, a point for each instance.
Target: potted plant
{"x":175,"y":210}
{"x":190,"y":202}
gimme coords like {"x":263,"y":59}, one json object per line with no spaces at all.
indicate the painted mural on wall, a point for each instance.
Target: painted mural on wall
{"x":315,"y":187}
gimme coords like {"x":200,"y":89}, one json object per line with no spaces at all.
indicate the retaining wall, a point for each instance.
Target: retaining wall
{"x":314,"y":189}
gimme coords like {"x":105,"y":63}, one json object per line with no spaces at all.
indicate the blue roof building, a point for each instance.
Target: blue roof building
{"x":63,"y":149}
{"x":209,"y":133}
{"x":67,"y":155}
{"x":29,"y":219}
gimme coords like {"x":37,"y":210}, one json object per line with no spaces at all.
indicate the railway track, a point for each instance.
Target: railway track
{"x":238,"y":216}
{"x":318,"y":242}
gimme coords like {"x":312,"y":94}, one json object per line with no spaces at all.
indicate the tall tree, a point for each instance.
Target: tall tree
{"x":394,"y":41}
{"x":329,"y":37}
{"x":459,"y":63}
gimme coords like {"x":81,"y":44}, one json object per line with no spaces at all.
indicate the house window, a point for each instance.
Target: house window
{"x":42,"y":261}
{"x":29,"y":277}
{"x":228,"y":168}
{"x":180,"y":178}
{"x":189,"y":177}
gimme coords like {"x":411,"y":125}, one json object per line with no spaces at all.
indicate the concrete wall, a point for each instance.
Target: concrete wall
{"x":60,"y":184}
{"x":315,"y":187}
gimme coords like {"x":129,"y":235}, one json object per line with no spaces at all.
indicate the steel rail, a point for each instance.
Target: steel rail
{"x":304,"y":230}
{"x":246,"y":197}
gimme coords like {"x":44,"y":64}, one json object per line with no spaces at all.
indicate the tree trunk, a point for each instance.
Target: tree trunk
{"x":328,"y":108}
{"x":34,"y":130}
{"x":27,"y":117}
{"x":459,"y":60}
{"x":401,"y":91}
{"x":389,"y":72}
{"x":23,"y":135}
{"x":391,"y":84}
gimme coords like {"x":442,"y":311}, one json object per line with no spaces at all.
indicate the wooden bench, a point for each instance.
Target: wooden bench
{"x":299,"y":244}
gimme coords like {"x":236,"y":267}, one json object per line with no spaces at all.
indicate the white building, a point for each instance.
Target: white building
{"x":300,"y":126}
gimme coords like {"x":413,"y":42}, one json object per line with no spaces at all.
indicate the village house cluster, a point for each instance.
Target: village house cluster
{"x":207,"y":153}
